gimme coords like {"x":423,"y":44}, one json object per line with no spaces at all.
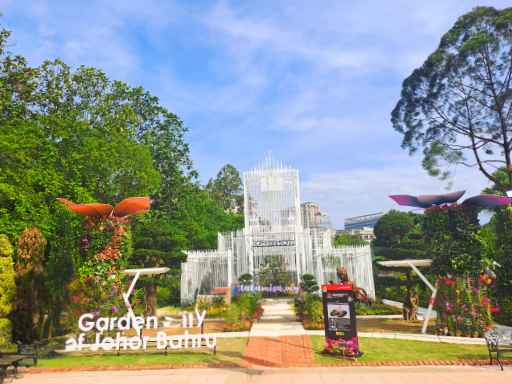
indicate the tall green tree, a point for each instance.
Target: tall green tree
{"x":227,"y":189}
{"x":458,"y":104}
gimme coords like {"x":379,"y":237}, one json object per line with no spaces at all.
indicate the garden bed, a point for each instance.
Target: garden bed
{"x":386,"y":350}
{"x":229,"y":351}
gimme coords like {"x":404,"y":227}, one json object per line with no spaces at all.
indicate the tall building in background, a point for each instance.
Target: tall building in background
{"x":363,"y":221}
{"x":308,"y":211}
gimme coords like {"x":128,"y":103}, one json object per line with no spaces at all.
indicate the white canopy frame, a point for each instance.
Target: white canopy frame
{"x":414,"y":264}
{"x":138,"y":272}
{"x":274,"y":228}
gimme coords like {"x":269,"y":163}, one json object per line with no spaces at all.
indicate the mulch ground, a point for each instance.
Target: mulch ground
{"x":283,"y":351}
{"x":393,"y":326}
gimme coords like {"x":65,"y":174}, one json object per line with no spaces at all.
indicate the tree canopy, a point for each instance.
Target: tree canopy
{"x":345,"y":239}
{"x":227,"y":189}
{"x":459,"y":102}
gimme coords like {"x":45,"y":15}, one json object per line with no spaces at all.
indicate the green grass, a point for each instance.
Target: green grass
{"x":381,"y":350}
{"x":229,"y":351}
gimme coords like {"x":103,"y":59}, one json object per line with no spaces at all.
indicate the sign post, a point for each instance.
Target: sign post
{"x":340,"y":315}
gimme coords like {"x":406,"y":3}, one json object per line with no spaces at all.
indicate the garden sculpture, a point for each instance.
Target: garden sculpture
{"x":426,"y":201}
{"x":411,"y":305}
{"x":125,"y":208}
{"x":361,"y":294}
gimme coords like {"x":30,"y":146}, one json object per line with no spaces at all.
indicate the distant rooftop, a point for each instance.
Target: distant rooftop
{"x":357,"y":219}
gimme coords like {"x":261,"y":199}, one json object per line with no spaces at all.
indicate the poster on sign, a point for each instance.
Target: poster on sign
{"x":340,"y":319}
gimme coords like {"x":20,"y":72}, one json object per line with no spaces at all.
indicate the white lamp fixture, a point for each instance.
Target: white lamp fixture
{"x":509,"y":193}
{"x":414,"y":264}
{"x":137,"y":272}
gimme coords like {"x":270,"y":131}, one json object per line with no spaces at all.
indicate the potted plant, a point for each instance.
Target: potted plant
{"x":446,"y":332}
{"x":457,"y":333}
{"x":476,"y":333}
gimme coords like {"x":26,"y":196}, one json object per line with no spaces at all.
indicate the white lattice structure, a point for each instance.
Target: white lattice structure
{"x":273,"y":227}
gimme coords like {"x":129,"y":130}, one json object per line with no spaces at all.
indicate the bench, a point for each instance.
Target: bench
{"x":499,"y":342}
{"x":23,"y":352}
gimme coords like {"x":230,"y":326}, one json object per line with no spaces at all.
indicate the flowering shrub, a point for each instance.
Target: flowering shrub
{"x":341,"y":347}
{"x":312,"y":326}
{"x":462,"y":308}
{"x":92,"y":294}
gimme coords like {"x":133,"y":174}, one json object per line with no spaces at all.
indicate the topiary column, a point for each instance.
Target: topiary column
{"x":7,"y":289}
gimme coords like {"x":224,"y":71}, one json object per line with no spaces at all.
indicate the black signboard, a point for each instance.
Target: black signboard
{"x":339,"y":312}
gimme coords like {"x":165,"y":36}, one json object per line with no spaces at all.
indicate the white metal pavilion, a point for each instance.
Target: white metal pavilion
{"x":273,"y":227}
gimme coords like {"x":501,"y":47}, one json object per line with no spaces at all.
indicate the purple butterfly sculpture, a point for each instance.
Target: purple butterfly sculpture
{"x":427,"y":201}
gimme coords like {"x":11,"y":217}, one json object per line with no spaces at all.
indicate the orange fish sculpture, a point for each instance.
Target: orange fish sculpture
{"x":125,"y":208}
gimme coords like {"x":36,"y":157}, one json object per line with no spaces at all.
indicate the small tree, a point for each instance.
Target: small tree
{"x":7,"y":289}
{"x":158,"y":243}
{"x":227,"y":189}
{"x":309,"y":284}
{"x":245,"y":279}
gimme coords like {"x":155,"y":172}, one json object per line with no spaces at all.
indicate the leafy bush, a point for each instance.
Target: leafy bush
{"x":503,"y":314}
{"x":299,"y":306}
{"x":377,"y":309}
{"x":309,"y":284}
{"x":7,"y":288}
{"x":5,"y":332}
{"x":451,"y":236}
{"x":243,"y":310}
{"x":315,"y":310}
{"x":168,"y":294}
{"x":504,"y":250}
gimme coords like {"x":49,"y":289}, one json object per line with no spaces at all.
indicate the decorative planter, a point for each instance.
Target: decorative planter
{"x":457,"y":334}
{"x":351,"y":357}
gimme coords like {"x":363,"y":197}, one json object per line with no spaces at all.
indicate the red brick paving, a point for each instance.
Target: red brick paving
{"x":282,"y":351}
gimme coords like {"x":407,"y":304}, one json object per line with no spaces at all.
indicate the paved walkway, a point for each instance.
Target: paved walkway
{"x":284,"y":351}
{"x":363,"y":375}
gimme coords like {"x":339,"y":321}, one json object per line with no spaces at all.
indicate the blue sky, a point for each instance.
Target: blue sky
{"x":314,"y":82}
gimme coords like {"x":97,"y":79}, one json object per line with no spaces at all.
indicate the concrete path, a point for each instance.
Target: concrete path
{"x":356,"y":375}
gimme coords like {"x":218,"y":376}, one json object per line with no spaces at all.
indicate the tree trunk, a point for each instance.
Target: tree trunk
{"x":150,"y":298}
